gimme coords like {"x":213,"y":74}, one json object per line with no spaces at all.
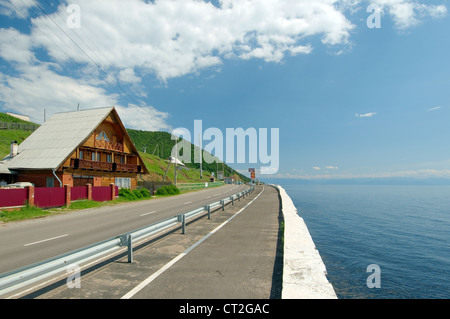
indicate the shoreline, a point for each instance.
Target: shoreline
{"x":304,"y":273}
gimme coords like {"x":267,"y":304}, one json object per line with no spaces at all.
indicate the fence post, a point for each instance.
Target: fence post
{"x":113,"y":191}
{"x":68,"y":189}
{"x":30,"y":195}
{"x":89,"y":191}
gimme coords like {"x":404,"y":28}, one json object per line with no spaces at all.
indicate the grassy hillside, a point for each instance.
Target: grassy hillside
{"x":157,"y":168}
{"x":160,"y":144}
{"x":7,"y":136}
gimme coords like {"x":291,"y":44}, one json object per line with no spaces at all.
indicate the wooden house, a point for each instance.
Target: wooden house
{"x":76,"y":148}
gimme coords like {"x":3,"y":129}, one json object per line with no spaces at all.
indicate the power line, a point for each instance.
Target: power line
{"x":114,"y":82}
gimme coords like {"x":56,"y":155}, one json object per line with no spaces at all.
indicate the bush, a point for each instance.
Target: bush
{"x":145,"y":192}
{"x":162,"y":191}
{"x":127,"y":194}
{"x":134,"y":194}
{"x":168,"y":190}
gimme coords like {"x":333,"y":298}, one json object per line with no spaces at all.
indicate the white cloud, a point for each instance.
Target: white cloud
{"x":132,"y":39}
{"x":316,"y":168}
{"x":331,"y":167}
{"x":146,"y":117}
{"x":365,"y":115}
{"x":434,"y":108}
{"x":407,"y":13}
{"x":175,"y":38}
{"x":19,"y":8}
{"x":15,"y":46}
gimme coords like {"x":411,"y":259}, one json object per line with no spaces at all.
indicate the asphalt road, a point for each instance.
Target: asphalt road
{"x":27,"y":242}
{"x":233,"y":255}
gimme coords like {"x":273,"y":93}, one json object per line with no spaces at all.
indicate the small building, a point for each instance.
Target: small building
{"x":76,"y":148}
{"x":22,"y":117}
{"x":228,"y":180}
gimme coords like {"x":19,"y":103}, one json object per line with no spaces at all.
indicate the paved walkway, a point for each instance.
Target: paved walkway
{"x":232,"y":256}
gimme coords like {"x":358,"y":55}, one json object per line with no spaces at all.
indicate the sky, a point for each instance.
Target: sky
{"x":354,"y":88}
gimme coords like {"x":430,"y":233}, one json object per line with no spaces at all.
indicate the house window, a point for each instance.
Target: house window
{"x":102,"y":137}
{"x":108,"y":158}
{"x":50,"y":182}
{"x":93,"y":156}
{"x":81,"y":155}
{"x":123,"y":182}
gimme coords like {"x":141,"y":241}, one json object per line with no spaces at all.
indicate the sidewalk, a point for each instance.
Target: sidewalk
{"x":231,"y":256}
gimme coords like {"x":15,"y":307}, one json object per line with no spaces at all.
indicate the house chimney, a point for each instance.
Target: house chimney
{"x":14,"y":148}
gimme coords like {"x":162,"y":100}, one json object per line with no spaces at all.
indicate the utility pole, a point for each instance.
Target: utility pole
{"x":201,"y":159}
{"x":176,"y":156}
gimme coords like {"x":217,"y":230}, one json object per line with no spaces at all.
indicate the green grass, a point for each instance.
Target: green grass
{"x":84,"y":204}
{"x":7,"y":136}
{"x":26,"y":212}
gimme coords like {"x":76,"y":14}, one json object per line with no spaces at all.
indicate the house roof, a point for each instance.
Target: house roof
{"x":54,"y":141}
{"x":4,"y":170}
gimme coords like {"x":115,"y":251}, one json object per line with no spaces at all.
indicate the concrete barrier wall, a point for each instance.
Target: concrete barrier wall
{"x":304,"y":273}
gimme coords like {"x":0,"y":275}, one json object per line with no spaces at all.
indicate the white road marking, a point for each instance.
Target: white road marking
{"x":187,"y":203}
{"x":148,"y":213}
{"x":44,"y":240}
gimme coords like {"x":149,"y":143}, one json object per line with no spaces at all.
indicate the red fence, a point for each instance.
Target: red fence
{"x":101,"y":193}
{"x":79,"y":193}
{"x":45,"y":197}
{"x":13,"y":197}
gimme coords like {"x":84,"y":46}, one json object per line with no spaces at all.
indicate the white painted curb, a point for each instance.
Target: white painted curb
{"x":304,"y":273}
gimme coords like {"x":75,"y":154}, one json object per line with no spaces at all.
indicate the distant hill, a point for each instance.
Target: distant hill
{"x":160,"y":144}
{"x":7,"y":135}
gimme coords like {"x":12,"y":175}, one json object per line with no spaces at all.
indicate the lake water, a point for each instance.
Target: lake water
{"x":404,"y":230}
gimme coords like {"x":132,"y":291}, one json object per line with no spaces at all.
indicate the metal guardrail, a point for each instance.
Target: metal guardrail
{"x":28,"y":275}
{"x":191,"y":186}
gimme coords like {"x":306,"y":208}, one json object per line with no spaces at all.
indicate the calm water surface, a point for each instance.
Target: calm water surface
{"x":405,"y":230}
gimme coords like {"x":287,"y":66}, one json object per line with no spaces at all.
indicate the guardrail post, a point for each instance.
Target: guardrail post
{"x":183,"y":226}
{"x":223,"y":204}
{"x":208,"y":208}
{"x":130,"y":248}
{"x":232,"y":200}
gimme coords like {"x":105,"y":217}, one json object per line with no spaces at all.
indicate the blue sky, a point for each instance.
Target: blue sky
{"x":349,"y":101}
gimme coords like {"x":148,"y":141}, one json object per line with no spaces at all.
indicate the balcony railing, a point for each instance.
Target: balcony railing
{"x":128,"y":168}
{"x":104,"y":166}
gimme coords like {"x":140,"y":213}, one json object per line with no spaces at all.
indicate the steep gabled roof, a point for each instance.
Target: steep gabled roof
{"x":54,"y":141}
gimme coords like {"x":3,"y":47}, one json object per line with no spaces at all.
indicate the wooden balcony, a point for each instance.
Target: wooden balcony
{"x":128,"y":168}
{"x":104,"y":166}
